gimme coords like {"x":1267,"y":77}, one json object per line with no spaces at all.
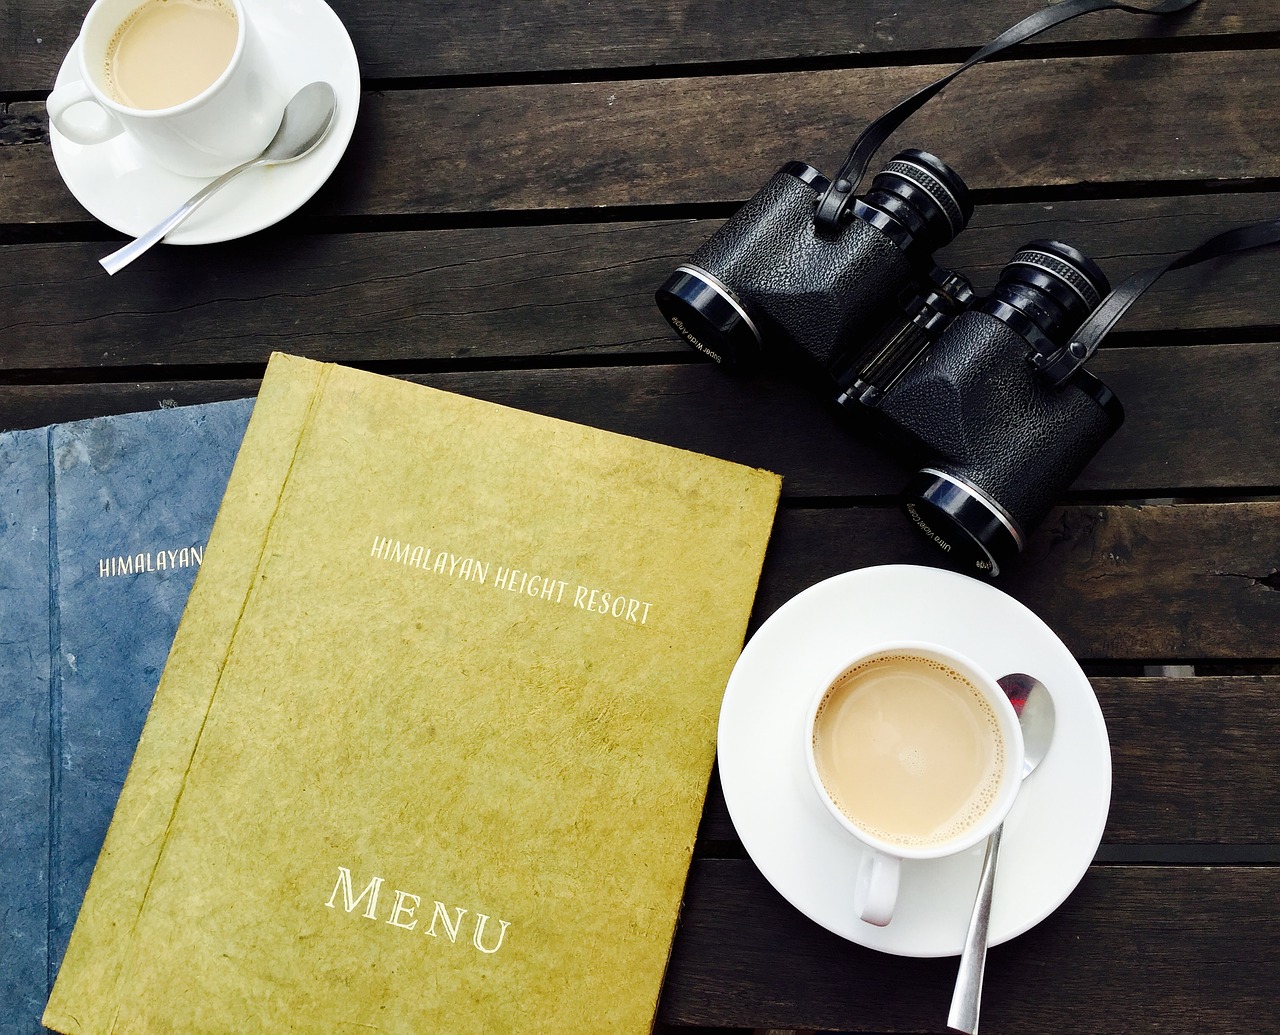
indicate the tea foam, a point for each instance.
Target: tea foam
{"x":909,"y":750}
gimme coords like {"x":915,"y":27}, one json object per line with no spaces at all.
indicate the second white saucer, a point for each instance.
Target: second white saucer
{"x":120,"y":186}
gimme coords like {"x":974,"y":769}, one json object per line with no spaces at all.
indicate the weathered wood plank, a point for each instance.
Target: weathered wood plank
{"x":664,"y":141}
{"x":1169,"y":736}
{"x":1133,"y":949}
{"x":557,"y":290}
{"x":1171,"y":742}
{"x":1131,"y":234}
{"x":1062,"y":122}
{"x":397,"y":39}
{"x":1142,"y":583}
{"x":1239,"y":416}
{"x":1233,"y":390}
{"x":446,"y":295}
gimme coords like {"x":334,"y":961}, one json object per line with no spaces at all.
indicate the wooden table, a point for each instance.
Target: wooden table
{"x":523,"y":175}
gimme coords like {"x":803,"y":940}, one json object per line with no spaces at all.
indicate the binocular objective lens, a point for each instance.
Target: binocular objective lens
{"x":704,"y":312}
{"x":964,"y":522}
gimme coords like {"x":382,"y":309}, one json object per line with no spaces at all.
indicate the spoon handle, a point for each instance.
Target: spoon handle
{"x":121,"y":257}
{"x":967,"y":997}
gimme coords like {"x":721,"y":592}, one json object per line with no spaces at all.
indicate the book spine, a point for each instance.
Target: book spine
{"x":55,"y":746}
{"x":103,"y":524}
{"x":133,"y":500}
{"x":98,"y":959}
{"x":25,"y":717}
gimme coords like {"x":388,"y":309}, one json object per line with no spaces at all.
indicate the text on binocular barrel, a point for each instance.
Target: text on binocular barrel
{"x":692,"y":339}
{"x":923,"y":526}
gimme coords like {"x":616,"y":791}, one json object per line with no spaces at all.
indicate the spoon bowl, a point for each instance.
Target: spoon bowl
{"x":305,"y":123}
{"x":1033,"y":704}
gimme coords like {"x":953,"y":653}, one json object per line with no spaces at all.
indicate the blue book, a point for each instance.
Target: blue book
{"x":103,"y":525}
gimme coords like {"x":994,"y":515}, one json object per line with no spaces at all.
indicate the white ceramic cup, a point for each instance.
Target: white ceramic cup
{"x":228,"y":123}
{"x":876,"y":890}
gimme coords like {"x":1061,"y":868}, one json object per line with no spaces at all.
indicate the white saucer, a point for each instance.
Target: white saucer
{"x":1050,"y":836}
{"x":119,"y":184}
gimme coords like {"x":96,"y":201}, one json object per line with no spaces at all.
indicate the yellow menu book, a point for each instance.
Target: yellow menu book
{"x":430,"y":749}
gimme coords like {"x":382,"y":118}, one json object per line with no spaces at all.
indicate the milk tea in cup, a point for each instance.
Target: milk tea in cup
{"x":917,"y":752}
{"x":169,"y":51}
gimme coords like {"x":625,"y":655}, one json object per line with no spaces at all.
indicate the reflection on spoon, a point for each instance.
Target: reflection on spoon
{"x":306,"y":121}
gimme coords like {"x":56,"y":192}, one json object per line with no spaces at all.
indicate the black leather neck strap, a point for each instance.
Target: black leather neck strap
{"x":831,"y":206}
{"x":1060,"y":365}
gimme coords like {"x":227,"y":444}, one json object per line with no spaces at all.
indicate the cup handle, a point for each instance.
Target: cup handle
{"x":81,"y":130}
{"x":876,"y":892}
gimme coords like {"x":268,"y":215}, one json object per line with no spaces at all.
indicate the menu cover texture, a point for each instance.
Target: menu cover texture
{"x":430,"y":749}
{"x":103,"y":523}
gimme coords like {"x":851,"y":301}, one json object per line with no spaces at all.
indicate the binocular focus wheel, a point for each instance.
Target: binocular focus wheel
{"x":937,"y":190}
{"x":1072,"y":276}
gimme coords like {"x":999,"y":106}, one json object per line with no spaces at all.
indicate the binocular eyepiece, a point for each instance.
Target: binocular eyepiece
{"x":923,"y":194}
{"x":1046,"y":291}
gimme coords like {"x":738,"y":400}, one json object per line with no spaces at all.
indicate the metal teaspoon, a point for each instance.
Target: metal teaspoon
{"x":306,"y":120}
{"x":1034,"y":704}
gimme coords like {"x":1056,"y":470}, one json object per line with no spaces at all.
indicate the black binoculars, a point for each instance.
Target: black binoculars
{"x":950,"y":381}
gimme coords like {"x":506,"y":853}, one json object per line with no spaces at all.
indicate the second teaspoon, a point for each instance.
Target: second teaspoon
{"x":306,"y":120}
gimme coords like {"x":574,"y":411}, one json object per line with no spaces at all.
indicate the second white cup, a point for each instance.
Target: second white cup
{"x":223,"y":124}
{"x":917,"y":753}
